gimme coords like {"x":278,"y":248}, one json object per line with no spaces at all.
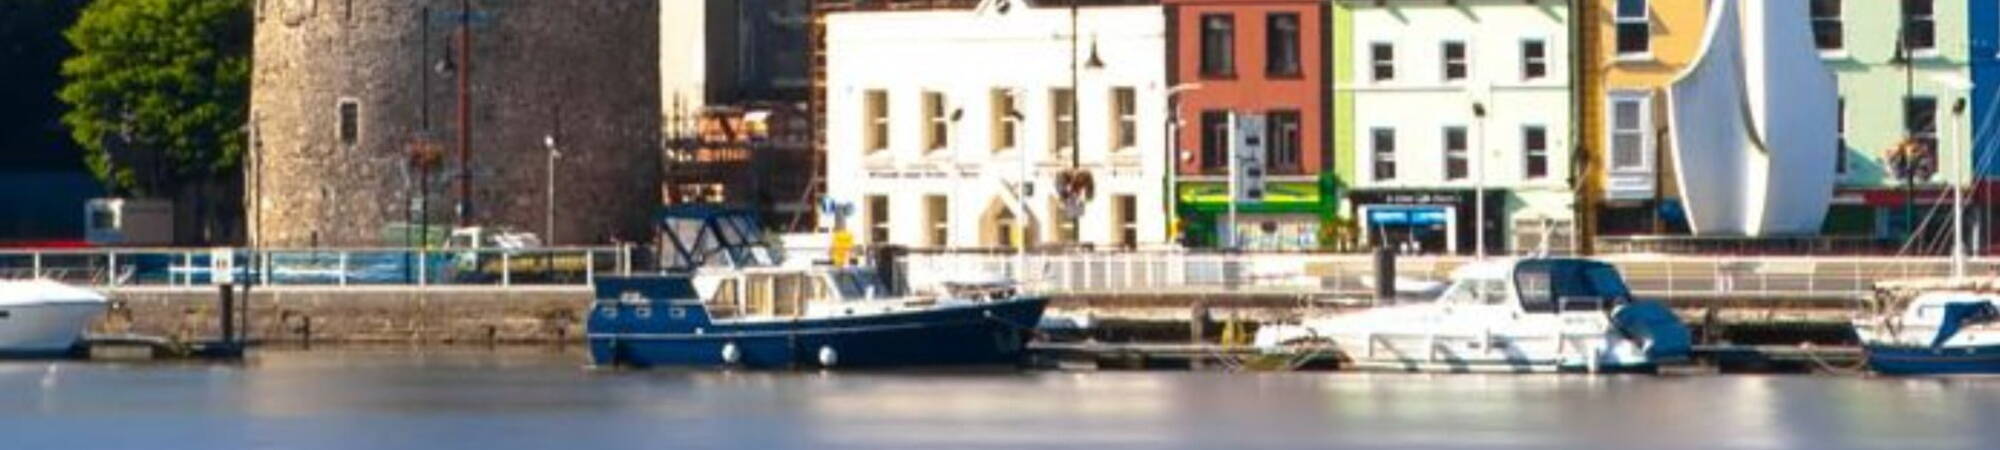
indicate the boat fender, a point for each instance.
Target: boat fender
{"x":827,"y":357}
{"x":730,"y":354}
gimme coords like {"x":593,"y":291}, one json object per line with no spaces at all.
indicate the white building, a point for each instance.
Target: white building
{"x":921,"y":142}
{"x":1421,"y":75}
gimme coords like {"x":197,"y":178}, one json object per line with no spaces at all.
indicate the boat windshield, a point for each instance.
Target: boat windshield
{"x":1545,"y":284}
{"x":858,"y":284}
{"x":1476,"y":291}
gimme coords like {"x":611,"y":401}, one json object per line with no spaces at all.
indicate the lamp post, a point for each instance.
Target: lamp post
{"x":549,"y":213}
{"x":1959,"y":87}
{"x":1172,"y":144}
{"x":1479,"y":181}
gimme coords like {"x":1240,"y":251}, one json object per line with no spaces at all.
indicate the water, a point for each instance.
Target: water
{"x":538,"y":398}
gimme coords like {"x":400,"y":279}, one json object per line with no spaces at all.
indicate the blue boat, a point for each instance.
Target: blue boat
{"x":729,"y":299}
{"x":1937,"y":333}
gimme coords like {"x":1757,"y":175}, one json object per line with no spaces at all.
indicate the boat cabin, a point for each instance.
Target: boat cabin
{"x":1538,"y":286}
{"x":788,"y":292}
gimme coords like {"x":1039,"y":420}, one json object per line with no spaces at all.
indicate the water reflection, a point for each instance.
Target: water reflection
{"x":543,"y":398}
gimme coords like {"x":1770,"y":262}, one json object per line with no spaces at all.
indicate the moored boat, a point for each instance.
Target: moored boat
{"x":1940,"y":331}
{"x":1527,"y":315}
{"x":43,"y":318}
{"x":732,"y":300}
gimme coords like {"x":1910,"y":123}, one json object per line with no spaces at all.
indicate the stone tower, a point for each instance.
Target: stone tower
{"x":356,"y":118}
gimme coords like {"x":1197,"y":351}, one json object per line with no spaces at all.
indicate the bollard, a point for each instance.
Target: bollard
{"x":228,"y":313}
{"x":1197,"y":331}
{"x":1385,"y":276}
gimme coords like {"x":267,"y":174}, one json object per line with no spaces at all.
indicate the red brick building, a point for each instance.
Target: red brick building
{"x":1264,"y":57}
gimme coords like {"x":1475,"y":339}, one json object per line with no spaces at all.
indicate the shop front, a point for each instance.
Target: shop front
{"x":1293,"y":216}
{"x":1429,"y":221}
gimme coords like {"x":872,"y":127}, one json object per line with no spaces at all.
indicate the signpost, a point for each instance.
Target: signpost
{"x":1246,"y":168}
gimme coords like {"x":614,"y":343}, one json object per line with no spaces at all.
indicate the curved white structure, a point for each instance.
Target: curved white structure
{"x":1754,"y":121}
{"x":44,"y":318}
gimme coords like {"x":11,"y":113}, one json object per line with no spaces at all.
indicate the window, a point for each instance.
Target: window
{"x":1004,"y":227}
{"x":1382,"y":59}
{"x":937,"y":212}
{"x":1281,"y":46}
{"x":1535,"y":151}
{"x":1454,"y":60}
{"x":875,"y":135}
{"x":1383,"y":141}
{"x":1125,"y":111}
{"x":1126,"y":208}
{"x":1214,"y":141}
{"x":1919,"y":25}
{"x":1840,"y":149}
{"x":1062,"y":119}
{"x":350,"y":122}
{"x":1456,"y":166}
{"x":1826,"y":24}
{"x":1634,"y":28}
{"x":1006,"y":116}
{"x":1534,"y":59}
{"x":1628,"y":132}
{"x":1284,"y":145}
{"x":937,"y":125}
{"x":1920,"y":121}
{"x":878,"y":219}
{"x":1218,"y":45}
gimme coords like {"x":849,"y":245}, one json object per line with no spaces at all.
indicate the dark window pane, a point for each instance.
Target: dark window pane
{"x":1285,"y":142}
{"x":1218,"y":42}
{"x":1214,"y":141}
{"x":1282,"y":45}
{"x":1383,"y":142}
{"x":1632,"y":38}
{"x":1382,"y":58}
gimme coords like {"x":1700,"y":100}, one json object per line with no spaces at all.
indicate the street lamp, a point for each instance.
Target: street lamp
{"x":1479,"y":181}
{"x":1172,"y":144}
{"x":549,"y":212}
{"x":1958,"y":86}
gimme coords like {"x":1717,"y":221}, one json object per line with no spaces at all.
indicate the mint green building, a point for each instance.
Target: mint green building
{"x":1886,"y":97}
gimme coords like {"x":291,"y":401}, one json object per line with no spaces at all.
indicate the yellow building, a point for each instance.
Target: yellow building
{"x":1628,"y":52}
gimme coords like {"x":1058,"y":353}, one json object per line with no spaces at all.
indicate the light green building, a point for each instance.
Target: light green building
{"x":1884,"y":100}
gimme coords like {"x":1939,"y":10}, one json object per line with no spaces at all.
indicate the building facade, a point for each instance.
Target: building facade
{"x":367,"y":113}
{"x":1628,"y":52}
{"x":947,"y":127}
{"x":1435,"y":100}
{"x":736,"y":128}
{"x":1902,"y":66}
{"x":1252,"y":57}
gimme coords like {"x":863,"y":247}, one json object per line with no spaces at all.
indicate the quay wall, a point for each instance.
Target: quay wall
{"x":477,"y":315}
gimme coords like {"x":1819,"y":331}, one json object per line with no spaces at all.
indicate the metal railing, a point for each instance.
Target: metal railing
{"x":188,"y":267}
{"x":1335,"y":275}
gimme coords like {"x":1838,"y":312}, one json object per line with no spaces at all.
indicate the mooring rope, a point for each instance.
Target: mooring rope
{"x":1856,"y":369}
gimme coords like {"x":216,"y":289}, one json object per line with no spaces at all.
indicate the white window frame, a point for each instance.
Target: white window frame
{"x":1544,"y":60}
{"x":875,"y":127}
{"x":1527,"y":154}
{"x":1374,"y":155}
{"x":1448,"y":154}
{"x":937,"y":122}
{"x":1839,"y":19}
{"x":1373,"y":63}
{"x":1124,"y":122}
{"x":1061,"y":139}
{"x":1645,"y":18}
{"x":1644,"y":130}
{"x":1445,"y":61}
{"x":1007,"y":132}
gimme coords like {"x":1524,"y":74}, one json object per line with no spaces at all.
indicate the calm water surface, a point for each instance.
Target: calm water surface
{"x":536,"y":399}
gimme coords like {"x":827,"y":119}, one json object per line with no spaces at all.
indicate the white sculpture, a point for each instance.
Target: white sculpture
{"x":1754,"y":124}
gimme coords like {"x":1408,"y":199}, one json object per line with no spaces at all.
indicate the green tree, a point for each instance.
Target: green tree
{"x":158,"y":91}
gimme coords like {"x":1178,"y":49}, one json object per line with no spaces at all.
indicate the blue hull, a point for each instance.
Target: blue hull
{"x":989,"y":333}
{"x":1909,"y":360}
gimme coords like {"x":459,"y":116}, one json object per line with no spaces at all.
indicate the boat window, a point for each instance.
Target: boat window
{"x":857,"y":285}
{"x":1537,"y":291}
{"x":790,"y":293}
{"x":1477,"y":292}
{"x":722,"y":305}
{"x":761,"y":296}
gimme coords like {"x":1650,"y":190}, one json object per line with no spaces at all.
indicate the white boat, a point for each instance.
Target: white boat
{"x":1949,"y":330}
{"x":1528,"y":315}
{"x":42,"y":318}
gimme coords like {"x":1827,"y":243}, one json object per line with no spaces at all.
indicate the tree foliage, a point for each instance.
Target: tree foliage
{"x":158,"y":90}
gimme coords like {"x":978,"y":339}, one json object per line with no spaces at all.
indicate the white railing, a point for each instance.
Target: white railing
{"x":1348,"y":275}
{"x":188,"y":267}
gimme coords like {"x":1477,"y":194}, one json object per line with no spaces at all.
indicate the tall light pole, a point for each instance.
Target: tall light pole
{"x":1173,"y":150}
{"x":549,"y":213}
{"x":1479,"y":180}
{"x":1959,"y":87}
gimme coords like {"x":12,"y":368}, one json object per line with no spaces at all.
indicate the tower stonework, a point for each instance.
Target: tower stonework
{"x":346,"y":93}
